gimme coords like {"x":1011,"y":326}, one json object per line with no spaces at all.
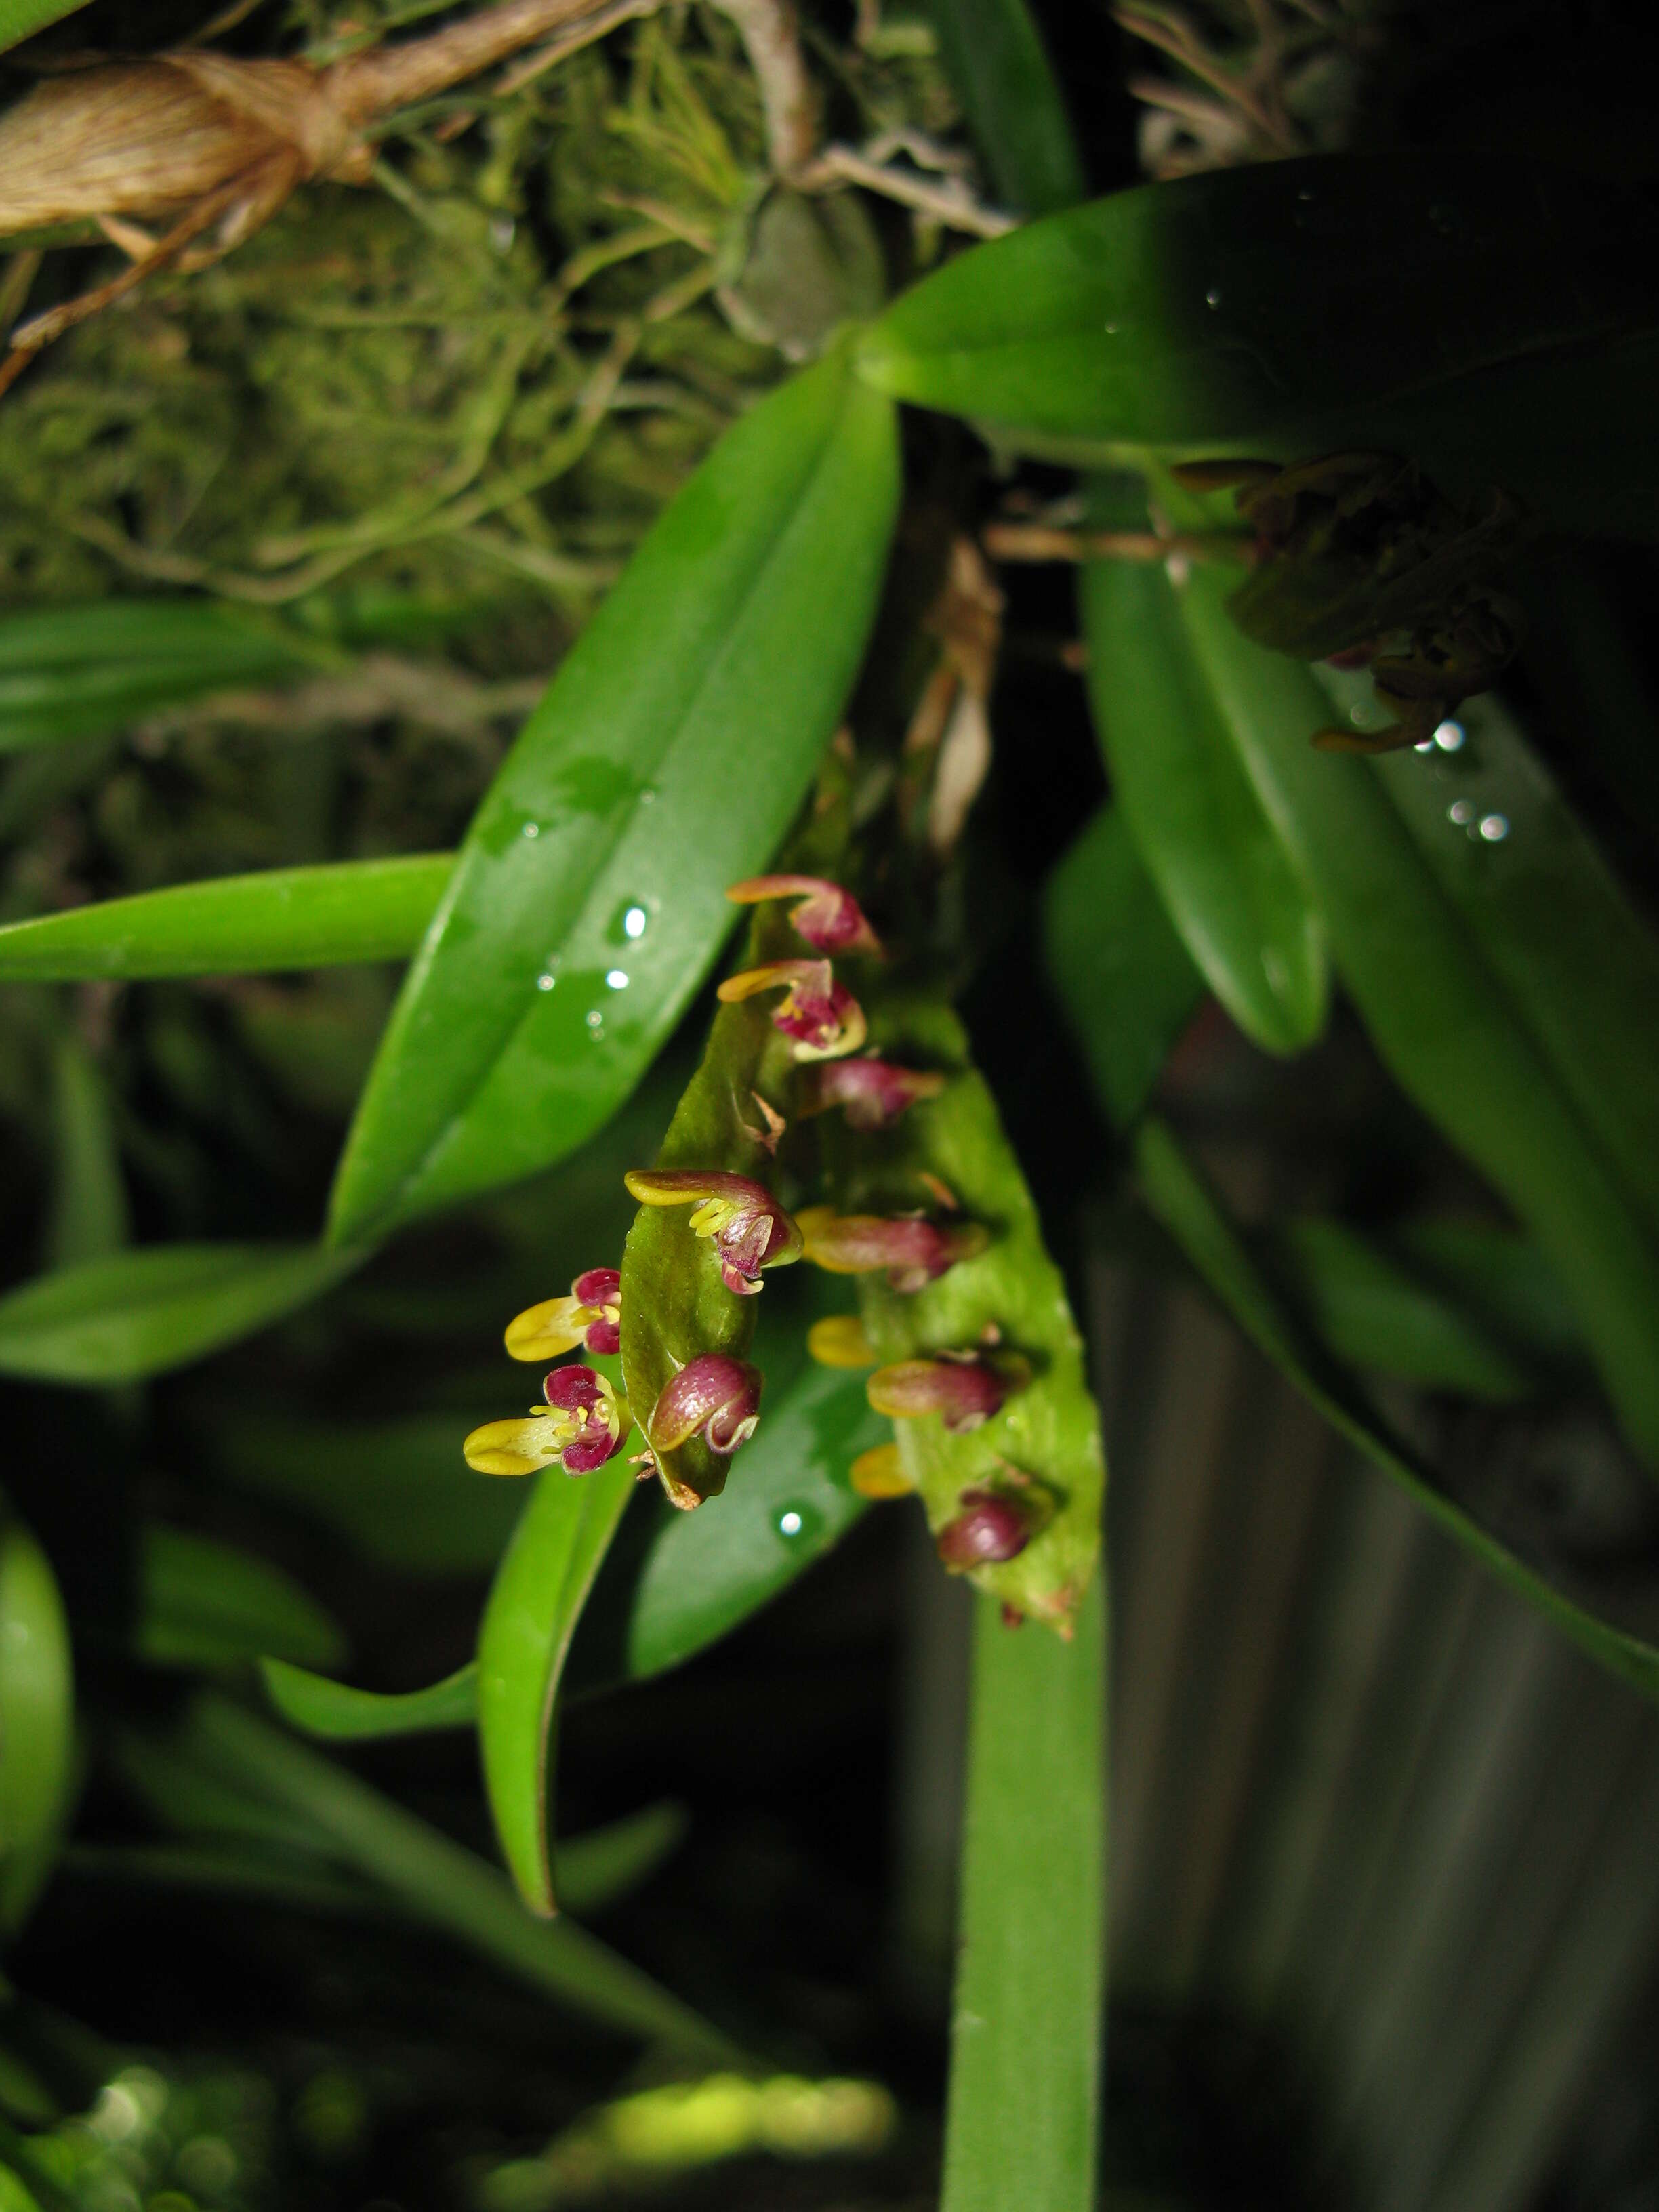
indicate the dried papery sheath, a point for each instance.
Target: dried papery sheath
{"x":714,"y":1396}
{"x":581,"y":1424}
{"x":963,"y":1388}
{"x":748,"y":1229}
{"x":820,"y":1016}
{"x":992,"y":1526}
{"x":828,"y":918}
{"x":590,"y":1316}
{"x":871,"y":1093}
{"x":914,"y":1252}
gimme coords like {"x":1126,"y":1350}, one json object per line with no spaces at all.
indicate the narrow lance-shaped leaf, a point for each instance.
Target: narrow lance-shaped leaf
{"x":280,"y":919}
{"x":1441,"y":1014}
{"x":1244,"y":299}
{"x":202,"y":1603}
{"x":340,"y":1713}
{"x":140,"y":1312}
{"x":534,"y":1604}
{"x":1025,"y":2032}
{"x":1026,"y":1448}
{"x":1224,"y":875}
{"x":1178,"y":1195}
{"x":589,"y":898}
{"x":995,"y":53}
{"x":90,"y":1215}
{"x":37,"y":1720}
{"x":22,"y":19}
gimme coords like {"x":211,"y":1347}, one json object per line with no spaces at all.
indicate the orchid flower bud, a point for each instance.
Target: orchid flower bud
{"x":839,"y":1340}
{"x":828,"y":918}
{"x":961,"y":1388}
{"x":879,"y":1472}
{"x":992,"y":1526}
{"x":581,"y":1426}
{"x":715,"y":1397}
{"x":590,"y":1316}
{"x":915,"y":1252}
{"x":750,"y":1230}
{"x":872,"y":1091}
{"x":820,"y":1015}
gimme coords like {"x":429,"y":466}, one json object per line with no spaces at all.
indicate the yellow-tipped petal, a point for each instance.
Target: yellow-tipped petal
{"x":879,"y":1472}
{"x":546,"y":1331}
{"x":839,"y":1340}
{"x":521,"y":1447}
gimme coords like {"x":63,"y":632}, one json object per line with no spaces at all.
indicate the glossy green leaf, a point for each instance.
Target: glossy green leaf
{"x":202,"y":1603}
{"x":22,"y":19}
{"x":1441,"y":1014}
{"x":589,"y":898}
{"x":1579,"y":965}
{"x":142,"y":1313}
{"x":1228,"y":305}
{"x":1010,"y":1296}
{"x":995,"y":53}
{"x":1180,"y":1198}
{"x":1125,"y":981}
{"x":1225,"y":878}
{"x":445,"y":1885}
{"x":89,"y":1214}
{"x":37,"y":1720}
{"x":398,"y":1490}
{"x":281,"y":917}
{"x":79,"y":671}
{"x":534,"y":1604}
{"x":340,"y":1713}
{"x":1376,"y":1315}
{"x":1025,"y":2032}
{"x":1504,"y":1281}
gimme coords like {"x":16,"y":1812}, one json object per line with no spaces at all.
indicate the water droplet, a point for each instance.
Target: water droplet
{"x":594,"y":1019}
{"x":1494,"y":828}
{"x":1460,"y":811}
{"x":545,"y":982}
{"x":1448,"y":736}
{"x":1112,"y":330}
{"x":616,"y":978}
{"x":1213,"y":297}
{"x":648,"y":795}
{"x":503,"y":230}
{"x":1427,"y":746}
{"x":531,"y":829}
{"x":635,"y":922}
{"x":797,"y":1521}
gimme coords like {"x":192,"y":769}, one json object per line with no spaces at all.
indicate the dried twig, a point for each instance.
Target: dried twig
{"x":950,"y":203}
{"x":1039,"y":542}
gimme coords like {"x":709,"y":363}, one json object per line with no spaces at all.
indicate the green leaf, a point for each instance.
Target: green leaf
{"x":90,"y":1215}
{"x":1579,"y":966}
{"x":1011,"y":1295}
{"x":81,"y":671}
{"x":1504,"y":1280}
{"x":202,"y":1603}
{"x":560,"y":958}
{"x":534,"y":1604}
{"x":1224,"y":876}
{"x":37,"y":1721}
{"x":1441,"y":1014}
{"x":1125,"y":981}
{"x":398,"y":1490}
{"x":142,"y":1313}
{"x":1178,"y":1195}
{"x":281,"y":917}
{"x":445,"y":1885}
{"x":995,"y":54}
{"x":1025,"y":2032}
{"x":1240,"y":304}
{"x":341,"y":1714}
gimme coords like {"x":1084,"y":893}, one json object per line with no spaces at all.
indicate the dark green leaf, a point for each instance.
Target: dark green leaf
{"x":560,"y":958}
{"x":1179,"y":1197}
{"x":1502,"y":1279}
{"x":1230,"y":307}
{"x":89,"y":1216}
{"x":339,"y":1713}
{"x":444,"y":1885}
{"x":37,"y":1721}
{"x":282,"y":918}
{"x":78,"y":671}
{"x":1125,"y":981}
{"x":1440,"y":1012}
{"x":1025,"y":2086}
{"x":1225,"y":878}
{"x":22,"y":19}
{"x":141,"y":1313}
{"x":535,"y":1602}
{"x":202,"y":1603}
{"x":995,"y":53}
